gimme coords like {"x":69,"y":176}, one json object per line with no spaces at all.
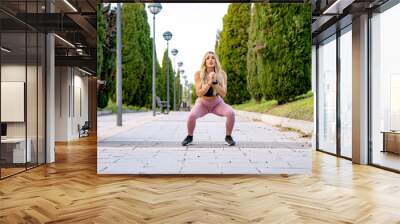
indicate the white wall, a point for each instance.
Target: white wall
{"x":81,"y":100}
{"x":62,"y":80}
{"x":71,"y":94}
{"x":33,"y":126}
{"x":12,"y":73}
{"x":13,"y":101}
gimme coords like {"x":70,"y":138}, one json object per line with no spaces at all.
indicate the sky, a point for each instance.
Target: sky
{"x":193,"y":26}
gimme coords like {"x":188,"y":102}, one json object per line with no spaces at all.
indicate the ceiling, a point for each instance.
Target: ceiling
{"x":74,"y":22}
{"x":332,"y":15}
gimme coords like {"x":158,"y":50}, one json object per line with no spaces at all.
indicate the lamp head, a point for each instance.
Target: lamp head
{"x":174,"y":52}
{"x":155,"y":8}
{"x":167,"y":35}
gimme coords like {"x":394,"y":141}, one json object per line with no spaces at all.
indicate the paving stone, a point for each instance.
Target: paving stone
{"x":200,"y":169}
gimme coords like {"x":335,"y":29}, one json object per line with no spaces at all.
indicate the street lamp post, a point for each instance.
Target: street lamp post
{"x":187,"y":92}
{"x":154,"y":9}
{"x":174,"y":53}
{"x":119,"y":68}
{"x":190,"y":94}
{"x":167,"y":36}
{"x":184,"y":76}
{"x":181,"y":89}
{"x":185,"y":84}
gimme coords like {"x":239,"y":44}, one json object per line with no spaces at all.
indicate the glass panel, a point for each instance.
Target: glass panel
{"x":31,"y":98}
{"x":41,"y":98}
{"x":346,"y":93}
{"x":22,"y":63}
{"x":13,"y":87}
{"x":327,"y":95}
{"x":386,"y":89}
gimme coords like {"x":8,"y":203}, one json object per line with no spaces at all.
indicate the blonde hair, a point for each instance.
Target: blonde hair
{"x":218,"y":70}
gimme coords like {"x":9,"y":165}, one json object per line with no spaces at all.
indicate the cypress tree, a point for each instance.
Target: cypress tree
{"x":102,"y":98}
{"x":161,"y":82}
{"x":232,"y":50}
{"x":101,"y":36}
{"x":136,"y":55}
{"x":163,"y":79}
{"x":180,"y":94}
{"x":285,"y":67}
{"x":253,"y":76}
{"x":178,"y":90}
{"x":108,"y":65}
{"x":194,"y":95}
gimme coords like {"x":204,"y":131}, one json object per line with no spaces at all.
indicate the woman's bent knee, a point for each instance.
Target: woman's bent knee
{"x":192,"y":117}
{"x":230,"y":113}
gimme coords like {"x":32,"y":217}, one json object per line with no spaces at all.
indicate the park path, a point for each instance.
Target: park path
{"x":151,"y":145}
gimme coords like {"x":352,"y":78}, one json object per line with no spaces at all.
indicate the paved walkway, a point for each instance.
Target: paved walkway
{"x":151,"y":145}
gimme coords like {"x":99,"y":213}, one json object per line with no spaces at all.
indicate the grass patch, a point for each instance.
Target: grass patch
{"x":302,"y":108}
{"x":253,"y":106}
{"x":112,"y":106}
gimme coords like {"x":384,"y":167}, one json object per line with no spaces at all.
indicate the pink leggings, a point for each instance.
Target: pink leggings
{"x":216,"y":106}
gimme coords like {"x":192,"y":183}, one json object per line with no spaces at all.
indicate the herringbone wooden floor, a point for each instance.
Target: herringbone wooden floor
{"x":70,"y":191}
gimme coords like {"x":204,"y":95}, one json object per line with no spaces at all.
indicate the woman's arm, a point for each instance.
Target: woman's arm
{"x":201,"y":89}
{"x":221,"y":87}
